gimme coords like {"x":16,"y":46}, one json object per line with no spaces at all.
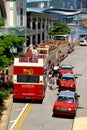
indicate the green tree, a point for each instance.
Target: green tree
{"x":6,"y":43}
{"x":59,"y":28}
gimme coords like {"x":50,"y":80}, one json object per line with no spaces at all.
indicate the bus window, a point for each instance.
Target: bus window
{"x":59,"y":38}
{"x":28,"y":78}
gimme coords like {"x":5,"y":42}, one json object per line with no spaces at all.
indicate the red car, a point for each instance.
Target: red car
{"x":67,"y":82}
{"x":66,"y":104}
{"x":65,"y":68}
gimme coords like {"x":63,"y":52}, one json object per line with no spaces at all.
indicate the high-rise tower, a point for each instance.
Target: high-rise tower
{"x":81,"y":4}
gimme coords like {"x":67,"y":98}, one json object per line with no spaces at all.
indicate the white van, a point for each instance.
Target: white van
{"x":83,"y":43}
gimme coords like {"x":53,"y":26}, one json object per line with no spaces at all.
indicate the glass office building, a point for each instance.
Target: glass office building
{"x":69,"y":4}
{"x":81,"y":4}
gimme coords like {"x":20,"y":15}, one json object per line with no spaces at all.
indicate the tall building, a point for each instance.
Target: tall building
{"x":68,"y":4}
{"x":81,"y":4}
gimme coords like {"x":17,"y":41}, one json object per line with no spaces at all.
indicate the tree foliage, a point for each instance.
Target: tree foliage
{"x":6,"y":43}
{"x":59,"y":28}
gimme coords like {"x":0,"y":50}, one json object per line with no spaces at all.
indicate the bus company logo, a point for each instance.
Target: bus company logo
{"x":28,"y":86}
{"x":27,"y":71}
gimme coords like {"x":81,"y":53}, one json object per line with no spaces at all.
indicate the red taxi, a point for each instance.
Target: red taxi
{"x":65,"y":68}
{"x":67,"y":82}
{"x":66,"y":104}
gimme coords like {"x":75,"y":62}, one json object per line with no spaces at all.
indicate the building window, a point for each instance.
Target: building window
{"x":34,"y":23}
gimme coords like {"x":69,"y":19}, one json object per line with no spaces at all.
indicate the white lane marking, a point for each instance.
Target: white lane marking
{"x":12,"y":121}
{"x":19,"y":116}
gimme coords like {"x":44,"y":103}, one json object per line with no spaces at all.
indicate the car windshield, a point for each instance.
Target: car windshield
{"x":81,"y":41}
{"x":65,"y":99}
{"x":68,"y":78}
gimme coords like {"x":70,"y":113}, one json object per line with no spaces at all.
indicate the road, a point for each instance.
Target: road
{"x":36,"y":116}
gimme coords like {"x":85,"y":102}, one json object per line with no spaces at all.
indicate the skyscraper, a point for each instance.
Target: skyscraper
{"x":67,"y":4}
{"x":81,"y":4}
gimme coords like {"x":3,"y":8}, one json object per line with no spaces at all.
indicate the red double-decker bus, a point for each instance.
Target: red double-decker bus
{"x":30,"y":73}
{"x":29,"y":79}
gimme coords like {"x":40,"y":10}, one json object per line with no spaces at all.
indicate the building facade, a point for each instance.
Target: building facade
{"x":17,"y":16}
{"x":81,"y":4}
{"x":39,"y":22}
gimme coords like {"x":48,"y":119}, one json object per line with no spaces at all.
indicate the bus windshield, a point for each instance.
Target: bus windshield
{"x":42,"y":50}
{"x":59,"y":38}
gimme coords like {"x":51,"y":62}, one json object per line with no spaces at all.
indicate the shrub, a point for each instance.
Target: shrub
{"x":4,"y":93}
{"x":0,"y":112}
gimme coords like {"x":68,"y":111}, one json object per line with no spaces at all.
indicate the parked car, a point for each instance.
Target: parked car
{"x":83,"y":43}
{"x":65,"y":68}
{"x":67,"y":82}
{"x":66,"y":104}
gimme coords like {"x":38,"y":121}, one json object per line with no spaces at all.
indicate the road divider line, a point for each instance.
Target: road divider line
{"x":18,"y":122}
{"x":80,"y":123}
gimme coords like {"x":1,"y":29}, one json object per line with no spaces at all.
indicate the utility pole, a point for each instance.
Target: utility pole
{"x":25,"y":23}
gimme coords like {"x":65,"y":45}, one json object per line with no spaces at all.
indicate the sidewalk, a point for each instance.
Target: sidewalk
{"x":80,"y":123}
{"x":6,"y":113}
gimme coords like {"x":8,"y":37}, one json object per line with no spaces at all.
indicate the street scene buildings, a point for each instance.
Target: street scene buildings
{"x":32,"y":18}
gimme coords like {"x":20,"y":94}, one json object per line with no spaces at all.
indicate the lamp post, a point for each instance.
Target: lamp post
{"x":25,"y":25}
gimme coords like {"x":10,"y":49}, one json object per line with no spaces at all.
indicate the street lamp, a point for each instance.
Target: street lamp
{"x":25,"y":25}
